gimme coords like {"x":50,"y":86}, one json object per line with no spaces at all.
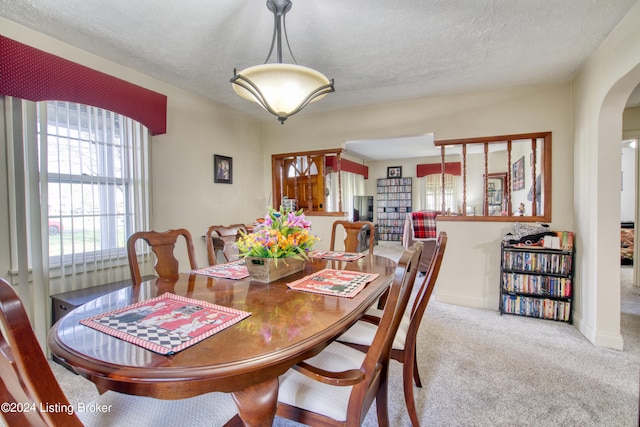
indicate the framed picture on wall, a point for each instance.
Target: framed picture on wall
{"x":518,"y":174}
{"x":222,"y":169}
{"x":394,"y":172}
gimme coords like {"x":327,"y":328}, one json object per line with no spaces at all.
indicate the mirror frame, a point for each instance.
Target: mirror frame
{"x":500,"y":177}
{"x":545,"y":162}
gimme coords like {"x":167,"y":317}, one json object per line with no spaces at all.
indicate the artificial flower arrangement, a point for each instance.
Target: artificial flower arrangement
{"x":281,"y":234}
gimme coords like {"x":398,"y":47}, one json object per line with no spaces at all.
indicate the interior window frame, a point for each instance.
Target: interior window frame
{"x":544,"y":167}
{"x":278,"y":173}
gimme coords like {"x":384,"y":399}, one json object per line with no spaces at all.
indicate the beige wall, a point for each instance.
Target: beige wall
{"x":601,"y":90}
{"x":184,"y":194}
{"x":509,"y":111}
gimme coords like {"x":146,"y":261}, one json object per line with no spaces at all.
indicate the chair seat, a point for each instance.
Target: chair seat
{"x":301,"y":391}
{"x":212,"y":409}
{"x":362,"y":332}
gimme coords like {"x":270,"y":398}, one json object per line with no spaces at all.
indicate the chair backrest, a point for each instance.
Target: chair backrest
{"x":426,"y":288}
{"x":353,"y":230}
{"x":376,"y":361}
{"x":227,"y":235}
{"x":26,"y":377}
{"x":162,"y":244}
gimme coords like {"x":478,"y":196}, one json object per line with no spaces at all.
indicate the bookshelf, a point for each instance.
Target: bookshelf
{"x":537,"y":280}
{"x":393,"y":202}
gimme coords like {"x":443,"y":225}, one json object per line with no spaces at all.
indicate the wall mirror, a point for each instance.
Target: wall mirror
{"x":496,"y":202}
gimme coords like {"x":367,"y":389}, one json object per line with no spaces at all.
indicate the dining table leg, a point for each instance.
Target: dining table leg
{"x":257,"y":404}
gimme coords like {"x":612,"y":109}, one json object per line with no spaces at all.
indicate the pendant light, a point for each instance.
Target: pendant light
{"x":281,"y":89}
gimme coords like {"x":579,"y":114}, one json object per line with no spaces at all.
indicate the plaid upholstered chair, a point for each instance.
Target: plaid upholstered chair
{"x":421,"y":227}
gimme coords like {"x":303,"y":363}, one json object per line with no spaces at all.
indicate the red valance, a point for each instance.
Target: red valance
{"x":29,"y":73}
{"x":347,"y":166}
{"x":452,"y":168}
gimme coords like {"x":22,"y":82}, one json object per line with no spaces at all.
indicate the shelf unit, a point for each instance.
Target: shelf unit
{"x":393,"y":203}
{"x":537,"y":281}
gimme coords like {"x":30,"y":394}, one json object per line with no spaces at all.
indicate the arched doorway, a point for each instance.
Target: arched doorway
{"x":609,"y":137}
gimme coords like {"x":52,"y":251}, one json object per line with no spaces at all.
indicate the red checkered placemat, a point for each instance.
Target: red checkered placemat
{"x":336,"y":255}
{"x":341,"y":283}
{"x":166,"y":324}
{"x":235,"y":270}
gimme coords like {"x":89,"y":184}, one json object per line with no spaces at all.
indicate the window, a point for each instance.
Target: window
{"x":300,"y":167}
{"x":321,"y":182}
{"x":91,"y":173}
{"x":434,"y":193}
{"x":305,"y":181}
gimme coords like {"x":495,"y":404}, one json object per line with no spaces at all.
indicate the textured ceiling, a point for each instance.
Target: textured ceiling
{"x":377,"y":51}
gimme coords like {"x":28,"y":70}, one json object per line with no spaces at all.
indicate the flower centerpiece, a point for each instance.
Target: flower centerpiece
{"x":278,"y":245}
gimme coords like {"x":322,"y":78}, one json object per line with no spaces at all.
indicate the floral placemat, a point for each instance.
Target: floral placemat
{"x":336,"y":255}
{"x":342,"y":283}
{"x":234,"y":270}
{"x":166,"y":324}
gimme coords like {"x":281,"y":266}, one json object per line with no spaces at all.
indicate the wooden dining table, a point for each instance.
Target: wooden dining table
{"x":285,"y":327}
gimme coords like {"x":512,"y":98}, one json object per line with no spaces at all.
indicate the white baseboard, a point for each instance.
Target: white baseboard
{"x":599,"y":339}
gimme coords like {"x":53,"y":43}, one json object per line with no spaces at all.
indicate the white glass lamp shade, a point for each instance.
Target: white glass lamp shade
{"x":284,"y":88}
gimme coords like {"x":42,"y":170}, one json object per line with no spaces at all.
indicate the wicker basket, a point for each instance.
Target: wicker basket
{"x":271,"y":269}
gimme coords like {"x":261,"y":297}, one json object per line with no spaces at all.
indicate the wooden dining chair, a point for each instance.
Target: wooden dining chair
{"x":354,"y":232}
{"x":338,"y":386}
{"x":228,"y":235}
{"x":29,"y":383}
{"x":162,"y":244}
{"x":361,"y":334}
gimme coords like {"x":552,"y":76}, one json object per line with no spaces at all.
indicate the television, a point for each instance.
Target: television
{"x":363,"y":208}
